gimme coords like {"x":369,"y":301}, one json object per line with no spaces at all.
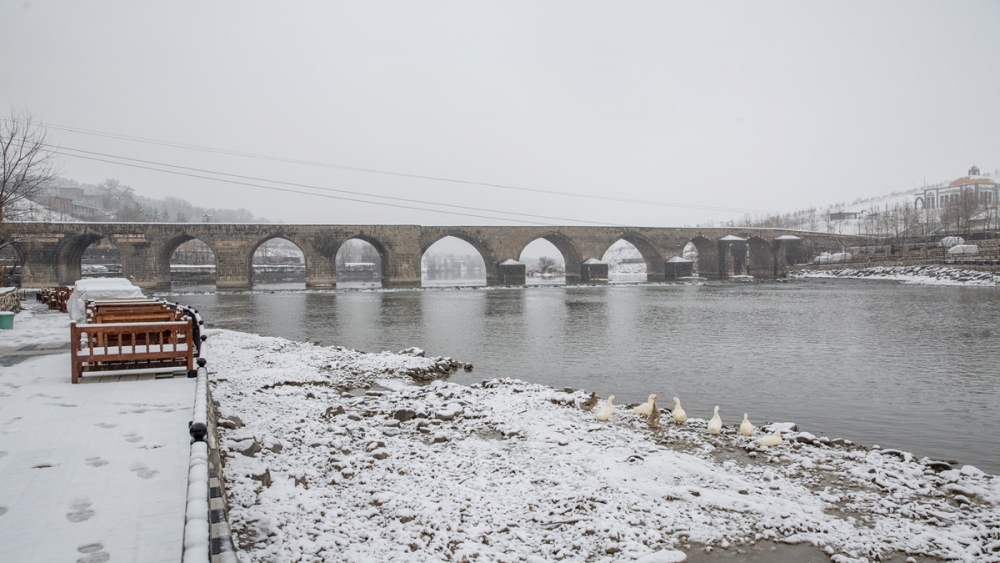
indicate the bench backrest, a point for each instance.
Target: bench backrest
{"x":129,"y":310}
{"x":131,"y":345}
{"x":135,"y":316}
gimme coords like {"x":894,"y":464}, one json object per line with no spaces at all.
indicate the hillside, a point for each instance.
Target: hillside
{"x":68,"y":200}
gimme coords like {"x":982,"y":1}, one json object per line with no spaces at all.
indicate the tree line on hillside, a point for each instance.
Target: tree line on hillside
{"x":967,"y":214}
{"x":113,"y":201}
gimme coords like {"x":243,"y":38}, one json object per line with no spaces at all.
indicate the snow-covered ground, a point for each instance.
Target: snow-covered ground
{"x":511,"y":471}
{"x":408,"y":471}
{"x":89,"y":472}
{"x":924,"y":275}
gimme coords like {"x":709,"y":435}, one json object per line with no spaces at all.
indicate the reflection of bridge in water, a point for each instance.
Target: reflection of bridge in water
{"x":51,"y":252}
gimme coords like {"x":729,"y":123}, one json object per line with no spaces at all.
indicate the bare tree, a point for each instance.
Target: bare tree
{"x":25,"y":168}
{"x":959,"y":212}
{"x":545,"y":264}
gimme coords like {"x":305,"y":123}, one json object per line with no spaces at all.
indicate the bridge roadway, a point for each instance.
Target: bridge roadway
{"x":50,"y":252}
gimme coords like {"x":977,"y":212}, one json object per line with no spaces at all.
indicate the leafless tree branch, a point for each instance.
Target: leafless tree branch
{"x":26,"y":166}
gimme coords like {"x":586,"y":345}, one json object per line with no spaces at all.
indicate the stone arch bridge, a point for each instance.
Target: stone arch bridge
{"x":50,"y":252}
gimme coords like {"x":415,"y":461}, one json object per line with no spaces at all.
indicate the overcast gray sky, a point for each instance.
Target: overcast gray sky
{"x":763,"y":106}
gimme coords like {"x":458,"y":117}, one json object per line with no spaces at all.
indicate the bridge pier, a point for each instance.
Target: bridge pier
{"x":732,"y":256}
{"x":232,"y":269}
{"x":40,"y":261}
{"x":401,"y":270}
{"x":320,"y":272}
{"x":760,"y":258}
{"x":593,"y":271}
{"x":787,"y":252}
{"x":510,"y":272}
{"x":138,"y":262}
{"x":677,"y":267}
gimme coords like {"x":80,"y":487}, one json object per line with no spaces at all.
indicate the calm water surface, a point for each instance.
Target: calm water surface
{"x":909,"y":367}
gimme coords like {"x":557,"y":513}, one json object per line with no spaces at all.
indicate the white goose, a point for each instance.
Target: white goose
{"x":604,"y":414}
{"x":746,"y":428}
{"x":715,"y":424}
{"x":770,"y":439}
{"x":645,"y":408}
{"x":679,"y":415}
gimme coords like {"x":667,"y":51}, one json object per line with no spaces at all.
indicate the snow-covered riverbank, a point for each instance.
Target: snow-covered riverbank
{"x":924,"y":275}
{"x":512,"y":471}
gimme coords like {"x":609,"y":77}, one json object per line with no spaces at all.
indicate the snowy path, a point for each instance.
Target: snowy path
{"x":90,"y":473}
{"x":512,"y":471}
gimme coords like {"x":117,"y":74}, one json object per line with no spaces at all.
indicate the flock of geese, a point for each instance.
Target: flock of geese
{"x":651,"y":413}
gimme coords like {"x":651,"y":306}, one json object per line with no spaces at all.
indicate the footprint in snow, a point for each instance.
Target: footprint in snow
{"x":150,"y":446}
{"x":143,"y":471}
{"x":96,"y":461}
{"x":105,"y":425}
{"x":133,"y":437}
{"x":3,"y":510}
{"x":61,"y":404}
{"x":93,"y":553}
{"x":80,"y":510}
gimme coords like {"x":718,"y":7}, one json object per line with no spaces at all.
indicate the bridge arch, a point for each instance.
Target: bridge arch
{"x":708,"y":257}
{"x":571,"y":255}
{"x":383,"y":251}
{"x":652,"y":257}
{"x":345,"y":261}
{"x":11,"y":260}
{"x":481,"y":246}
{"x":280,"y":235}
{"x":165,"y":255}
{"x":470,"y":272}
{"x":69,"y":256}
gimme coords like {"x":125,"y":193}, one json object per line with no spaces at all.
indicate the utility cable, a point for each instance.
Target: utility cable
{"x":288,"y":190}
{"x":58,"y":150}
{"x":185,"y":146}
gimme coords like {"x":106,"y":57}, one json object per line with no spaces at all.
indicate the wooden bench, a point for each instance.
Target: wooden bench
{"x":56,"y":297}
{"x":131,"y":348}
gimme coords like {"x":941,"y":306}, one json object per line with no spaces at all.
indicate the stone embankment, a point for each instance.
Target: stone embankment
{"x":9,"y":300}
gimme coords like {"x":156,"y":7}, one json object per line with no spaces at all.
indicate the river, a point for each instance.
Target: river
{"x":903,"y":366}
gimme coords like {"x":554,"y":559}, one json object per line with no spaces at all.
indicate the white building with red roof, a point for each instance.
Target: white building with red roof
{"x":984,"y":188}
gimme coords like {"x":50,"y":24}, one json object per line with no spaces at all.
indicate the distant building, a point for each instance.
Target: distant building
{"x":985,"y":190}
{"x":844,"y":215}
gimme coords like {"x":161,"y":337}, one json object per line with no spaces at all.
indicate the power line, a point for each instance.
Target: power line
{"x":186,"y":146}
{"x":287,"y":190}
{"x":58,"y":150}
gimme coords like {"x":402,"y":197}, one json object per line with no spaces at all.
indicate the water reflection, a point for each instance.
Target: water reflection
{"x":452,"y":278}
